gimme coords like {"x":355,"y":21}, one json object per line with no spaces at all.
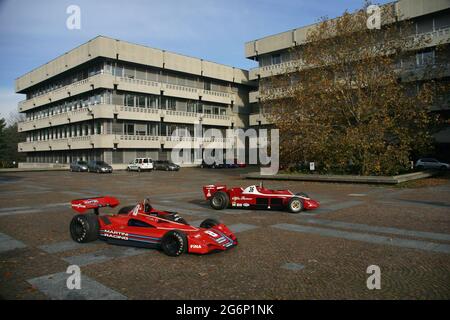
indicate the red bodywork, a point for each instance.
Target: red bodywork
{"x":131,"y":228}
{"x":259,"y":197}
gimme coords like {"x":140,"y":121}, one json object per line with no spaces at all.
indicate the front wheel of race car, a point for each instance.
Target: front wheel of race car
{"x":84,"y":228}
{"x":174,"y":243}
{"x":209,"y":223}
{"x":295,"y":205}
{"x":219,"y":200}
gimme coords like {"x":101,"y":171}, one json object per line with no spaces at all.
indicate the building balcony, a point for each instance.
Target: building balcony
{"x":424,"y":40}
{"x":86,"y":113}
{"x":107,"y":81}
{"x":107,"y":111}
{"x":101,"y":80}
{"x":275,"y":69}
{"x":118,"y":141}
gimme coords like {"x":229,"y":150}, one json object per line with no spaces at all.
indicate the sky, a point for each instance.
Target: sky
{"x":34,"y":32}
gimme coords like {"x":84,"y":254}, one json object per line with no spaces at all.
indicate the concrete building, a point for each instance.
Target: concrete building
{"x":431,"y":19}
{"x":113,"y":100}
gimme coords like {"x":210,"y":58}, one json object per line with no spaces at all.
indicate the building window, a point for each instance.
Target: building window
{"x":99,"y":128}
{"x":190,"y":106}
{"x":140,"y":101}
{"x":129,"y":100}
{"x":172,"y":104}
{"x":425,"y":58}
{"x":152,"y":102}
{"x":153,"y":129}
{"x":276,"y":58}
{"x":207,"y":85}
{"x":207,"y":110}
{"x":129,"y":129}
{"x":118,"y":71}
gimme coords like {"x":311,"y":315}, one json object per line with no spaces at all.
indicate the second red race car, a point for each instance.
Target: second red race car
{"x":143,"y":226}
{"x":257,"y":197}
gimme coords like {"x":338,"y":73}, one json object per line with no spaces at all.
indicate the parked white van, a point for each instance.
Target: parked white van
{"x":140,"y":164}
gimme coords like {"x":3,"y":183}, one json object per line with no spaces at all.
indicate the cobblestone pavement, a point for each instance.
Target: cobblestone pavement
{"x":322,"y":254}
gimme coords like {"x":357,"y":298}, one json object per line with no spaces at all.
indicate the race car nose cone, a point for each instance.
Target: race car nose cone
{"x":311,"y":204}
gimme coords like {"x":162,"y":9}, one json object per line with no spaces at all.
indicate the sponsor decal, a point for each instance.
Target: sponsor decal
{"x":78,"y":206}
{"x":114,"y":234}
{"x":196,"y":246}
{"x":211,"y":233}
{"x":246,"y":205}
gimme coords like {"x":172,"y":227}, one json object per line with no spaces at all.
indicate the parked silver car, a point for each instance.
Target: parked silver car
{"x":99,"y":166}
{"x":166,"y":165}
{"x":79,"y":166}
{"x":430,"y":163}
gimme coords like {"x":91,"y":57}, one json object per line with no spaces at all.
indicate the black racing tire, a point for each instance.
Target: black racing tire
{"x":125,"y":210}
{"x":420,"y":167}
{"x":443,"y":168}
{"x":98,"y":170}
{"x":209,"y":223}
{"x":139,"y":169}
{"x":84,"y":228}
{"x":295,"y":205}
{"x":174,"y":243}
{"x":220,"y":200}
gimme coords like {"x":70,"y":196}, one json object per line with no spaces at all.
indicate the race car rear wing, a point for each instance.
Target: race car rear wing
{"x":82,"y":205}
{"x":209,"y":190}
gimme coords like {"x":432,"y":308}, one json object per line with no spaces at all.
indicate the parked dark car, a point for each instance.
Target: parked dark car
{"x":165,"y":165}
{"x":216,"y":165}
{"x":79,"y":166}
{"x":99,"y":166}
{"x":431,"y":163}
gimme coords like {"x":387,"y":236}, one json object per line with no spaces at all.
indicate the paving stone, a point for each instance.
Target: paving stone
{"x":7,"y":243}
{"x":54,"y":286}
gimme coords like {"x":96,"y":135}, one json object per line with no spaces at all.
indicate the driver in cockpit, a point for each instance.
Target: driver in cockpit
{"x":147,"y":206}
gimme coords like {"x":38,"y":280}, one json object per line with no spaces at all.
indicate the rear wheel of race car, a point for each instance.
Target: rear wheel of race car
{"x":209,"y":223}
{"x":84,"y":228}
{"x":295,"y":205}
{"x":125,"y":210}
{"x":174,"y":243}
{"x":219,"y":200}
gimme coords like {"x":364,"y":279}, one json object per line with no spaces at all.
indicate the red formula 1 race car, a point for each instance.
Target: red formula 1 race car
{"x":221,"y":197}
{"x":143,"y":226}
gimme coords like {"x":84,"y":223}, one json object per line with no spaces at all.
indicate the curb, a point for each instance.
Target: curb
{"x":344,"y":178}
